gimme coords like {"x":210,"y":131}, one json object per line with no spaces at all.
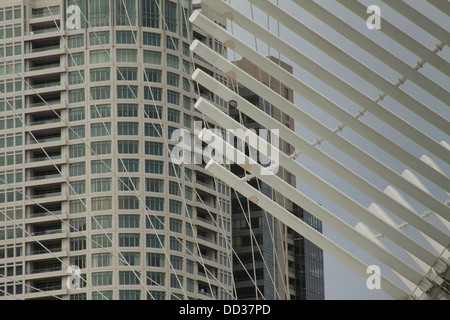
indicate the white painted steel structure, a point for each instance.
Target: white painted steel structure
{"x":432,"y":278}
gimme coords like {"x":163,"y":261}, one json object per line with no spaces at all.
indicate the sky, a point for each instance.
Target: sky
{"x":340,"y":281}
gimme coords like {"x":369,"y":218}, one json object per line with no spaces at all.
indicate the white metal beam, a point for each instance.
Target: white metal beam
{"x":419,"y":19}
{"x":301,"y":227}
{"x":401,"y":37}
{"x":312,"y":207}
{"x":317,"y":127}
{"x":376,"y":50}
{"x":336,"y":195}
{"x":339,"y":113}
{"x":353,"y":64}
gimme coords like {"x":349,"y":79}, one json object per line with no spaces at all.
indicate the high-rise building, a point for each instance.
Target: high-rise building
{"x":271,"y":260}
{"x":90,"y":93}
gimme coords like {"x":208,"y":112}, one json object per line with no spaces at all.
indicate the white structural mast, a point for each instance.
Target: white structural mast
{"x":431,"y":280}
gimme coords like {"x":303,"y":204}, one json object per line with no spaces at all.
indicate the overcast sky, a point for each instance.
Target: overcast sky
{"x":340,"y":281}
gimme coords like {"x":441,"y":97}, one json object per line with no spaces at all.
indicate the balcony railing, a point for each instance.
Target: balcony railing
{"x":45,"y":12}
{"x":45,"y":213}
{"x":47,"y":121}
{"x":206,"y":239}
{"x":44,"y":140}
{"x":44,"y":66}
{"x":46,"y":269}
{"x":41,"y":49}
{"x":45,"y":195}
{"x":38,"y":159}
{"x":44,"y":85}
{"x":41,"y":104}
{"x":45,"y":176}
{"x":206,"y":185}
{"x":46,"y":232}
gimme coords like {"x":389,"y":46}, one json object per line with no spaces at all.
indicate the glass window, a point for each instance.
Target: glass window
{"x":75,"y":41}
{"x":152,"y":75}
{"x":153,"y":130}
{"x":76,"y":95}
{"x":127,"y":128}
{"x":77,"y":187}
{"x":127,"y":110}
{"x":154,"y":94}
{"x":154,"y":185}
{"x":126,"y":73}
{"x":101,"y":222}
{"x":129,"y":221}
{"x":173,"y":79}
{"x":100,"y":129}
{"x":77,"y":150}
{"x":172,"y":61}
{"x":78,"y":243}
{"x":77,"y":169}
{"x":126,"y":37}
{"x":125,"y":13}
{"x":76,"y":59}
{"x":155,"y":259}
{"x":154,"y":166}
{"x":154,"y":222}
{"x":100,"y":166}
{"x":126,"y":55}
{"x":76,"y":114}
{"x":153,"y":112}
{"x":101,"y":203}
{"x":171,"y":43}
{"x":153,"y":148}
{"x":173,"y":115}
{"x":99,"y":56}
{"x":170,"y":15}
{"x":100,"y":93}
{"x":150,"y":13}
{"x":100,"y":111}
{"x":128,"y":183}
{"x":129,"y":239}
{"x":99,"y":13}
{"x":100,"y":74}
{"x":101,"y":260}
{"x":101,"y":241}
{"x":128,"y":165}
{"x":128,"y":202}
{"x":154,"y":203}
{"x":98,"y":38}
{"x":152,"y":57}
{"x":128,"y":146}
{"x":102,"y":278}
{"x":77,"y":132}
{"x":127,"y":92}
{"x":76,"y":77}
{"x":101,"y":184}
{"x":101,"y":147}
{"x":129,"y":277}
{"x":151,"y":39}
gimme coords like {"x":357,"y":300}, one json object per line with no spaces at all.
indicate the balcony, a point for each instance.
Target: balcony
{"x":40,"y":67}
{"x":46,"y":195}
{"x":44,"y":139}
{"x":44,"y":176}
{"x":43,"y":122}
